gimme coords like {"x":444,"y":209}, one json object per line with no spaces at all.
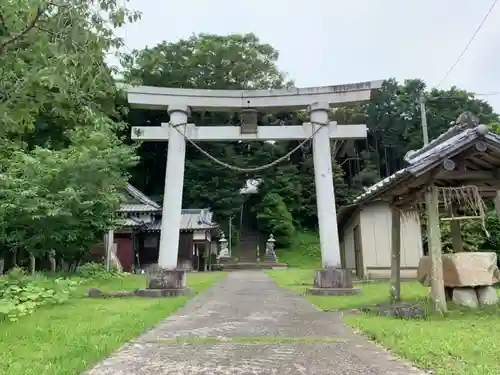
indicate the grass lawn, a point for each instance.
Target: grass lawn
{"x":304,"y":252}
{"x":461,"y":343}
{"x":372,"y":293}
{"x":67,"y":339}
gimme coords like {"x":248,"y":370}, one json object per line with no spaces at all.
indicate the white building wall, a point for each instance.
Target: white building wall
{"x":375,"y":222}
{"x":347,"y":237}
{"x":376,"y":226}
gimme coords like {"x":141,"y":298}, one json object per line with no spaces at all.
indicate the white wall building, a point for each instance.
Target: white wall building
{"x":365,"y":240}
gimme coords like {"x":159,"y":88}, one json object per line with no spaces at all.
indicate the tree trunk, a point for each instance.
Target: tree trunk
{"x":2,"y":265}
{"x":14,"y":258}
{"x":63,"y":265}
{"x":77,"y":263}
{"x":52,"y":260}
{"x":32,"y":264}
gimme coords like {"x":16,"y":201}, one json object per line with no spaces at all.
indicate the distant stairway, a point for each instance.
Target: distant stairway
{"x":248,"y":244}
{"x":245,"y":258}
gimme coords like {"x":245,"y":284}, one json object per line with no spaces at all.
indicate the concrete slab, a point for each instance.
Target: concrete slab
{"x":246,"y":325}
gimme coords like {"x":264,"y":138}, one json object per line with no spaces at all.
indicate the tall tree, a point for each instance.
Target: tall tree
{"x":207,"y":62}
{"x":394,"y":119}
{"x":58,"y":119}
{"x":52,"y":62}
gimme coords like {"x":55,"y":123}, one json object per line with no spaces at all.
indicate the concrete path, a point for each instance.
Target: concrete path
{"x":247,"y":325}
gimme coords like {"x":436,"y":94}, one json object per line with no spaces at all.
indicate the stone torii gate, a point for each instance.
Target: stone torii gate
{"x":179,"y":102}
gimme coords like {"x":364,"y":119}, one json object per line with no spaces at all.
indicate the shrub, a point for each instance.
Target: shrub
{"x":93,"y":270}
{"x":21,"y":294}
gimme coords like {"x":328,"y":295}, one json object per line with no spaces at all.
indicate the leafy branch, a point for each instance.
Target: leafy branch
{"x":18,"y":36}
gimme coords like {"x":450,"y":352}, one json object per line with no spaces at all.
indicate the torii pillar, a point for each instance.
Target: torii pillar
{"x":331,"y":279}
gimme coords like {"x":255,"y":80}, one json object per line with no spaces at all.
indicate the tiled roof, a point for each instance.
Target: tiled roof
{"x":137,"y":207}
{"x":442,"y":147}
{"x":191,"y":219}
{"x":138,"y":202}
{"x":465,"y":121}
{"x":421,"y":161}
{"x":451,"y":132}
{"x":132,"y":222}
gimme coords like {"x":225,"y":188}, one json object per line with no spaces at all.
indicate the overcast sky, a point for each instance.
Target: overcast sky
{"x":327,"y":42}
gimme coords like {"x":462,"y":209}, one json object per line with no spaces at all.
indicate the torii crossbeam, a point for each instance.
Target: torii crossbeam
{"x":179,"y":102}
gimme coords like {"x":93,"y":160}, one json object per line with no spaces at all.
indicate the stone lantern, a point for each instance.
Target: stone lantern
{"x":270,"y":256}
{"x":224,"y":250}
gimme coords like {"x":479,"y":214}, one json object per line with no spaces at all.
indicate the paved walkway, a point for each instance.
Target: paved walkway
{"x":246,"y":325}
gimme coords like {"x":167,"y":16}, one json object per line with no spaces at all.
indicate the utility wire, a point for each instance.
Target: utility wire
{"x":469,"y":43}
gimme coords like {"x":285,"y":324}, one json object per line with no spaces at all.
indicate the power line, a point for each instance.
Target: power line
{"x":469,"y":43}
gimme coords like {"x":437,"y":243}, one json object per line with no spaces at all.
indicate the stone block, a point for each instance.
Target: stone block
{"x":98,"y":293}
{"x":333,"y":291}
{"x":166,"y":279}
{"x":400,"y":310}
{"x":121,"y":294}
{"x":333,"y":278}
{"x":465,"y":297}
{"x":333,"y":282}
{"x":463,"y":269}
{"x":487,"y":295}
{"x":160,"y":293}
{"x":94,"y":293}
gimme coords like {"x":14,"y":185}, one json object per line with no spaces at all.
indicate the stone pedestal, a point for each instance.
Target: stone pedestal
{"x":225,"y":260}
{"x":333,"y":282}
{"x":270,"y":258}
{"x":165,"y":283}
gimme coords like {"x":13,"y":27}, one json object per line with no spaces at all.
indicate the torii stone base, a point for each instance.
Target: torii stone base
{"x":333,"y":282}
{"x":165,"y":283}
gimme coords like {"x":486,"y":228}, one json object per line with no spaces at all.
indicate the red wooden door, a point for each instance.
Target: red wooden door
{"x":125,"y":252}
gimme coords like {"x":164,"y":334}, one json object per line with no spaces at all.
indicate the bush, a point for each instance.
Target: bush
{"x":304,"y":252}
{"x":93,"y":270}
{"x":21,"y":294}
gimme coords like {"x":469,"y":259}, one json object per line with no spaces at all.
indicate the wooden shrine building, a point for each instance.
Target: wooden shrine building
{"x":447,"y":180}
{"x":137,"y":241}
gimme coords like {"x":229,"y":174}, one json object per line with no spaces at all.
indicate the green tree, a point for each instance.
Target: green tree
{"x":52,"y":61}
{"x":275,"y":218}
{"x":207,"y":62}
{"x":63,"y":200}
{"x":61,"y":161}
{"x":370,"y":173}
{"x":394,"y":120}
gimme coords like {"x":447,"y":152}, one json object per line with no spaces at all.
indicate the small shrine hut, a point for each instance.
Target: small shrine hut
{"x":447,"y":180}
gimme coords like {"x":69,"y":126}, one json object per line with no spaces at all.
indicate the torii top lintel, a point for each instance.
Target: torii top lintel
{"x":230,"y":100}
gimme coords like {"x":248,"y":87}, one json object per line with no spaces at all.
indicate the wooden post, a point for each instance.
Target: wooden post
{"x":205,"y":254}
{"x":497,"y":203}
{"x":434,"y":240}
{"x":456,"y":237}
{"x":396,"y":255}
{"x":109,"y":241}
{"x":209,"y":251}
